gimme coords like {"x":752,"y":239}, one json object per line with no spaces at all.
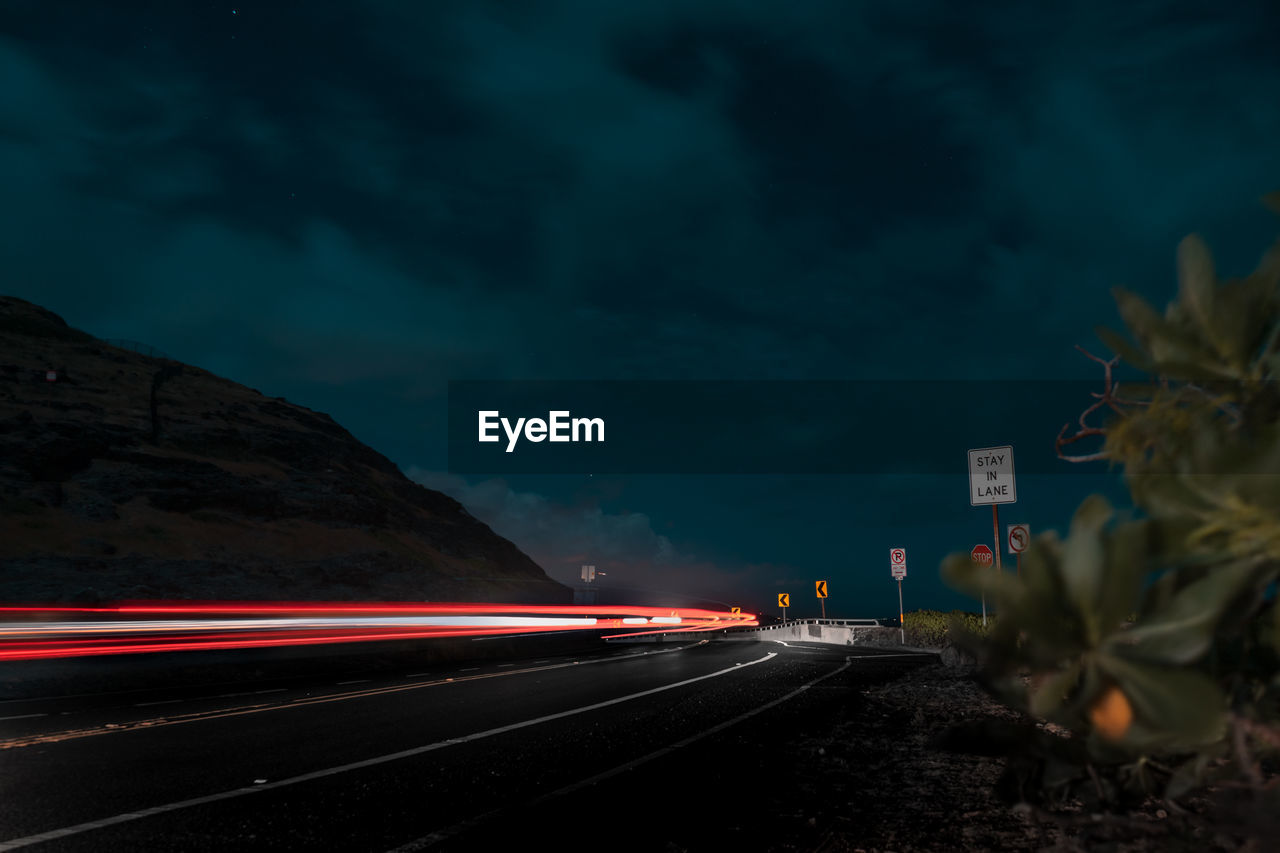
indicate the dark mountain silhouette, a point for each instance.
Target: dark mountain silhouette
{"x":135,"y":477}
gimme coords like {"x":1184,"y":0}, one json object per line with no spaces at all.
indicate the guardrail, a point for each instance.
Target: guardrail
{"x":847,"y":623}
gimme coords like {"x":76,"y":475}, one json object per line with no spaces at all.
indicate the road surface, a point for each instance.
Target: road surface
{"x":637,"y":742}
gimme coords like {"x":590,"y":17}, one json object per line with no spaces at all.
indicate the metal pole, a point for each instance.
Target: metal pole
{"x":995,"y":531}
{"x":1018,"y":563}
{"x":823,"y":601}
{"x":995,"y":528}
{"x":902,"y":628}
{"x":984,"y":605}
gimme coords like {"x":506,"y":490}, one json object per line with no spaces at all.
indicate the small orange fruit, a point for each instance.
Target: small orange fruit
{"x":1111,"y":713}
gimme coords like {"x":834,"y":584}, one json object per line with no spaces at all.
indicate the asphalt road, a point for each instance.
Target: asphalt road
{"x":631,"y":746}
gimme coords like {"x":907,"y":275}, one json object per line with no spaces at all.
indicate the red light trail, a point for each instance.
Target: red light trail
{"x":35,"y":632}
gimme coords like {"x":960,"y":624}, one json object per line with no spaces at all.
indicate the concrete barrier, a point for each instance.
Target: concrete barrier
{"x":838,"y":632}
{"x":835,"y":632}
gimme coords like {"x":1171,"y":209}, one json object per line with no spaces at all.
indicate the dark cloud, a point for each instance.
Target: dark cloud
{"x":349,"y":205}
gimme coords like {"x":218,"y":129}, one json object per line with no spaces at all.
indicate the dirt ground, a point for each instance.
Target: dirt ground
{"x":895,"y":789}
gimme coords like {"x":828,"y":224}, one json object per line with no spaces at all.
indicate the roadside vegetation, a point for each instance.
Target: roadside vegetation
{"x":1150,"y":638}
{"x":932,"y":628}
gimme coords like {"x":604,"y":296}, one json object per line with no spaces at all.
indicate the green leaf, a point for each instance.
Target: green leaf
{"x":1140,"y":317}
{"x":1083,"y":558}
{"x":1127,"y":565}
{"x":1164,"y":340}
{"x":1127,"y":351}
{"x":965,"y":575}
{"x":1195,"y":371}
{"x":1246,"y":308}
{"x":1041,"y":567}
{"x":1182,"y":631}
{"x":1179,"y":706}
{"x":1196,"y":283}
{"x":1054,"y":691}
{"x":1169,"y":498}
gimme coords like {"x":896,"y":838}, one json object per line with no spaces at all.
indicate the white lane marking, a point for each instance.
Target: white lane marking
{"x":15,"y":843}
{"x":864,"y":654}
{"x":158,"y":702}
{"x":353,"y":681}
{"x":469,"y":669}
{"x":418,"y":675}
{"x":302,"y":702}
{"x":449,"y":832}
{"x":23,"y":717}
{"x":809,"y":650}
{"x":542,"y":661}
{"x":248,"y":693}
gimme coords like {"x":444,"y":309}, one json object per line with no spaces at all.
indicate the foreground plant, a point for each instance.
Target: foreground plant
{"x":1154,"y":637}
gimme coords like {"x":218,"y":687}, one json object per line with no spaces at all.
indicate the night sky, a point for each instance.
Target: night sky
{"x":349,"y":205}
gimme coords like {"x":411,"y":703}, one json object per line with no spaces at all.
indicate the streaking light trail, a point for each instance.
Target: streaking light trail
{"x":34,"y":632}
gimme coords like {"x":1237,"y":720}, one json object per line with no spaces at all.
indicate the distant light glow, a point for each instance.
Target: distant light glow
{"x":33,"y":632}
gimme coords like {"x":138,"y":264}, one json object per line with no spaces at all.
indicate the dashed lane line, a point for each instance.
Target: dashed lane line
{"x":302,"y":701}
{"x":53,"y":834}
{"x":463,"y":826}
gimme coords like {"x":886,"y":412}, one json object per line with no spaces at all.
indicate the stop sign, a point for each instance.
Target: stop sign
{"x":981,"y":555}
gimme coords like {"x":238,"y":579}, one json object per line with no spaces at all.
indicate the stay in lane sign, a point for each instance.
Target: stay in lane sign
{"x":991,"y":476}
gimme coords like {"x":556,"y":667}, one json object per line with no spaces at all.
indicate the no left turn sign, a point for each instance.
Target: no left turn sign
{"x":1018,"y":537}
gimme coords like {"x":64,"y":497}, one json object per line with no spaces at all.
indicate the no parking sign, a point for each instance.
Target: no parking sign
{"x":898,"y":563}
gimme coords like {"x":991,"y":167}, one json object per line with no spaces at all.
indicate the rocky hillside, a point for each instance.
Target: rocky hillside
{"x":133,"y":477}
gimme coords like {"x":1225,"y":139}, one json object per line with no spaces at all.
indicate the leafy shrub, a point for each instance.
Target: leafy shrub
{"x":1155,"y":636}
{"x":931,"y":628}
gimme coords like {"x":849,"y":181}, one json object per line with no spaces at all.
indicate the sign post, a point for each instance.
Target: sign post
{"x":898,"y":571}
{"x":991,"y":481}
{"x":1018,"y":537}
{"x":586,"y":594}
{"x":821,"y":587}
{"x":784,"y":601}
{"x":981,"y":555}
